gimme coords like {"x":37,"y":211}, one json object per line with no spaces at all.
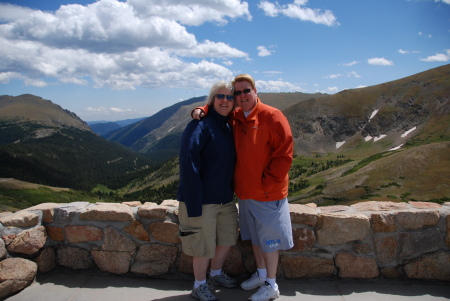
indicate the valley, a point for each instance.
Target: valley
{"x":388,"y":142}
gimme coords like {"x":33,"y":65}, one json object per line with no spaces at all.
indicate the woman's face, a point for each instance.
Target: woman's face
{"x":224,"y":102}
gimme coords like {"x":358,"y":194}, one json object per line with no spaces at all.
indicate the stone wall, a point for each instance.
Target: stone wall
{"x":365,"y":240}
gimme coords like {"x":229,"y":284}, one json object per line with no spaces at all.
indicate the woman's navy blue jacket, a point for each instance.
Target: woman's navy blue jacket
{"x":207,"y":158}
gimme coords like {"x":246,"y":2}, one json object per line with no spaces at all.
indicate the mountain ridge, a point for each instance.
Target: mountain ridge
{"x":29,"y":107}
{"x":42,"y":143}
{"x":360,"y":144}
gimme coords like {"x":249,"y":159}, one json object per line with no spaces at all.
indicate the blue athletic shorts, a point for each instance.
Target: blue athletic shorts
{"x":266,"y":224}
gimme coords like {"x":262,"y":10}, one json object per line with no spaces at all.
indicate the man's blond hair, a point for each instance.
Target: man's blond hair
{"x":244,"y":77}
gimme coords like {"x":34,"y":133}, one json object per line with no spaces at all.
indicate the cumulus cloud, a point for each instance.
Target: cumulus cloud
{"x":263,"y":51}
{"x":438,"y":57}
{"x":192,"y":12}
{"x":276,"y":86}
{"x":332,"y":90}
{"x":118,"y":44}
{"x":297,"y":10}
{"x":380,"y":61}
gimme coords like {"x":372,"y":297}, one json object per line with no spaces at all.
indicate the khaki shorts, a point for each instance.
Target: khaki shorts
{"x":218,"y":226}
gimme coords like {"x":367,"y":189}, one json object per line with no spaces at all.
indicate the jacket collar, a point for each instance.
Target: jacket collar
{"x":220,"y":119}
{"x":240,"y":114}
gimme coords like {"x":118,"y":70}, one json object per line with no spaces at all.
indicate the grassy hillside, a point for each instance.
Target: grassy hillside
{"x":419,"y":174}
{"x":16,"y":195}
{"x":42,"y":143}
{"x":40,"y":111}
{"x":355,"y":118}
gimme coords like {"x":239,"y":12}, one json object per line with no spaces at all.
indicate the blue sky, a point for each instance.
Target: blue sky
{"x":114,"y":60}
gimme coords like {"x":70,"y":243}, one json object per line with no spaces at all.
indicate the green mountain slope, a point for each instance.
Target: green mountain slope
{"x":42,"y":143}
{"x":374,"y":119}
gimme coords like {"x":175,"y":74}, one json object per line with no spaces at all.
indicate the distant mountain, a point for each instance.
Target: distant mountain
{"x":40,"y":111}
{"x":42,"y":143}
{"x":119,"y":122}
{"x":102,"y":128}
{"x":133,"y":135}
{"x":376,"y":118}
{"x":158,"y":136}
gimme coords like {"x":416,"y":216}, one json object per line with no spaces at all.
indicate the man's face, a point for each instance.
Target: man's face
{"x":247,"y":101}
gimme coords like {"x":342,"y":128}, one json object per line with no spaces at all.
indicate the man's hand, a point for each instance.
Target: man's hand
{"x":197,"y":114}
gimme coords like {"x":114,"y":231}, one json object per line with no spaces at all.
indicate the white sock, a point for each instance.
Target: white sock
{"x":272,"y":282}
{"x":262,"y":273}
{"x":213,"y":273}
{"x":198,"y":283}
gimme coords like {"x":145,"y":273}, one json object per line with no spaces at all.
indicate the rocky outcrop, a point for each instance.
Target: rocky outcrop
{"x":365,"y":240}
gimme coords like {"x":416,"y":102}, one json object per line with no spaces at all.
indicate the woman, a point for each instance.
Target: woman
{"x":207,"y":214}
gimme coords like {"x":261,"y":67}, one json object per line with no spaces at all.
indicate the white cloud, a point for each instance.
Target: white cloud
{"x":276,"y":86}
{"x":332,"y":89}
{"x":407,"y":52}
{"x":438,"y":57}
{"x":192,"y":12}
{"x":380,"y":61}
{"x":104,"y":111}
{"x":297,"y":10}
{"x":422,"y":34}
{"x":272,"y":72}
{"x":353,"y":74}
{"x":119,"y":110}
{"x":331,"y":76}
{"x":350,"y":64}
{"x":118,"y":44}
{"x":263,"y":51}
{"x":6,"y":77}
{"x":227,"y":63}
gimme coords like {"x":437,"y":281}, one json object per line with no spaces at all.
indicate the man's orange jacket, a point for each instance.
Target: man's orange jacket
{"x":264,"y":150}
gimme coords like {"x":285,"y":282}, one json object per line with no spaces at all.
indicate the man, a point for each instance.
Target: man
{"x":264,"y":148}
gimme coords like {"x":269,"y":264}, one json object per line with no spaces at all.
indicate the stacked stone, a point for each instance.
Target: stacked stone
{"x":365,"y":240}
{"x":370,"y":239}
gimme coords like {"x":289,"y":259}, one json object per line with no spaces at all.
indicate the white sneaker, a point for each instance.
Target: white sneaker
{"x":203,"y":293}
{"x":223,"y":280}
{"x":253,"y":282}
{"x":265,"y":293}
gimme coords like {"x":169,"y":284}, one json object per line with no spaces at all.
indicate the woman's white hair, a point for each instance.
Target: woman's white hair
{"x":215,"y":88}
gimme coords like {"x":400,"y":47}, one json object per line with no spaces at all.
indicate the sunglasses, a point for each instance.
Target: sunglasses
{"x":222,"y":96}
{"x":245,"y":91}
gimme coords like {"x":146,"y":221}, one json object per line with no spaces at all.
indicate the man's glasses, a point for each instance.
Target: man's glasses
{"x":222,"y":96}
{"x":245,"y":91}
